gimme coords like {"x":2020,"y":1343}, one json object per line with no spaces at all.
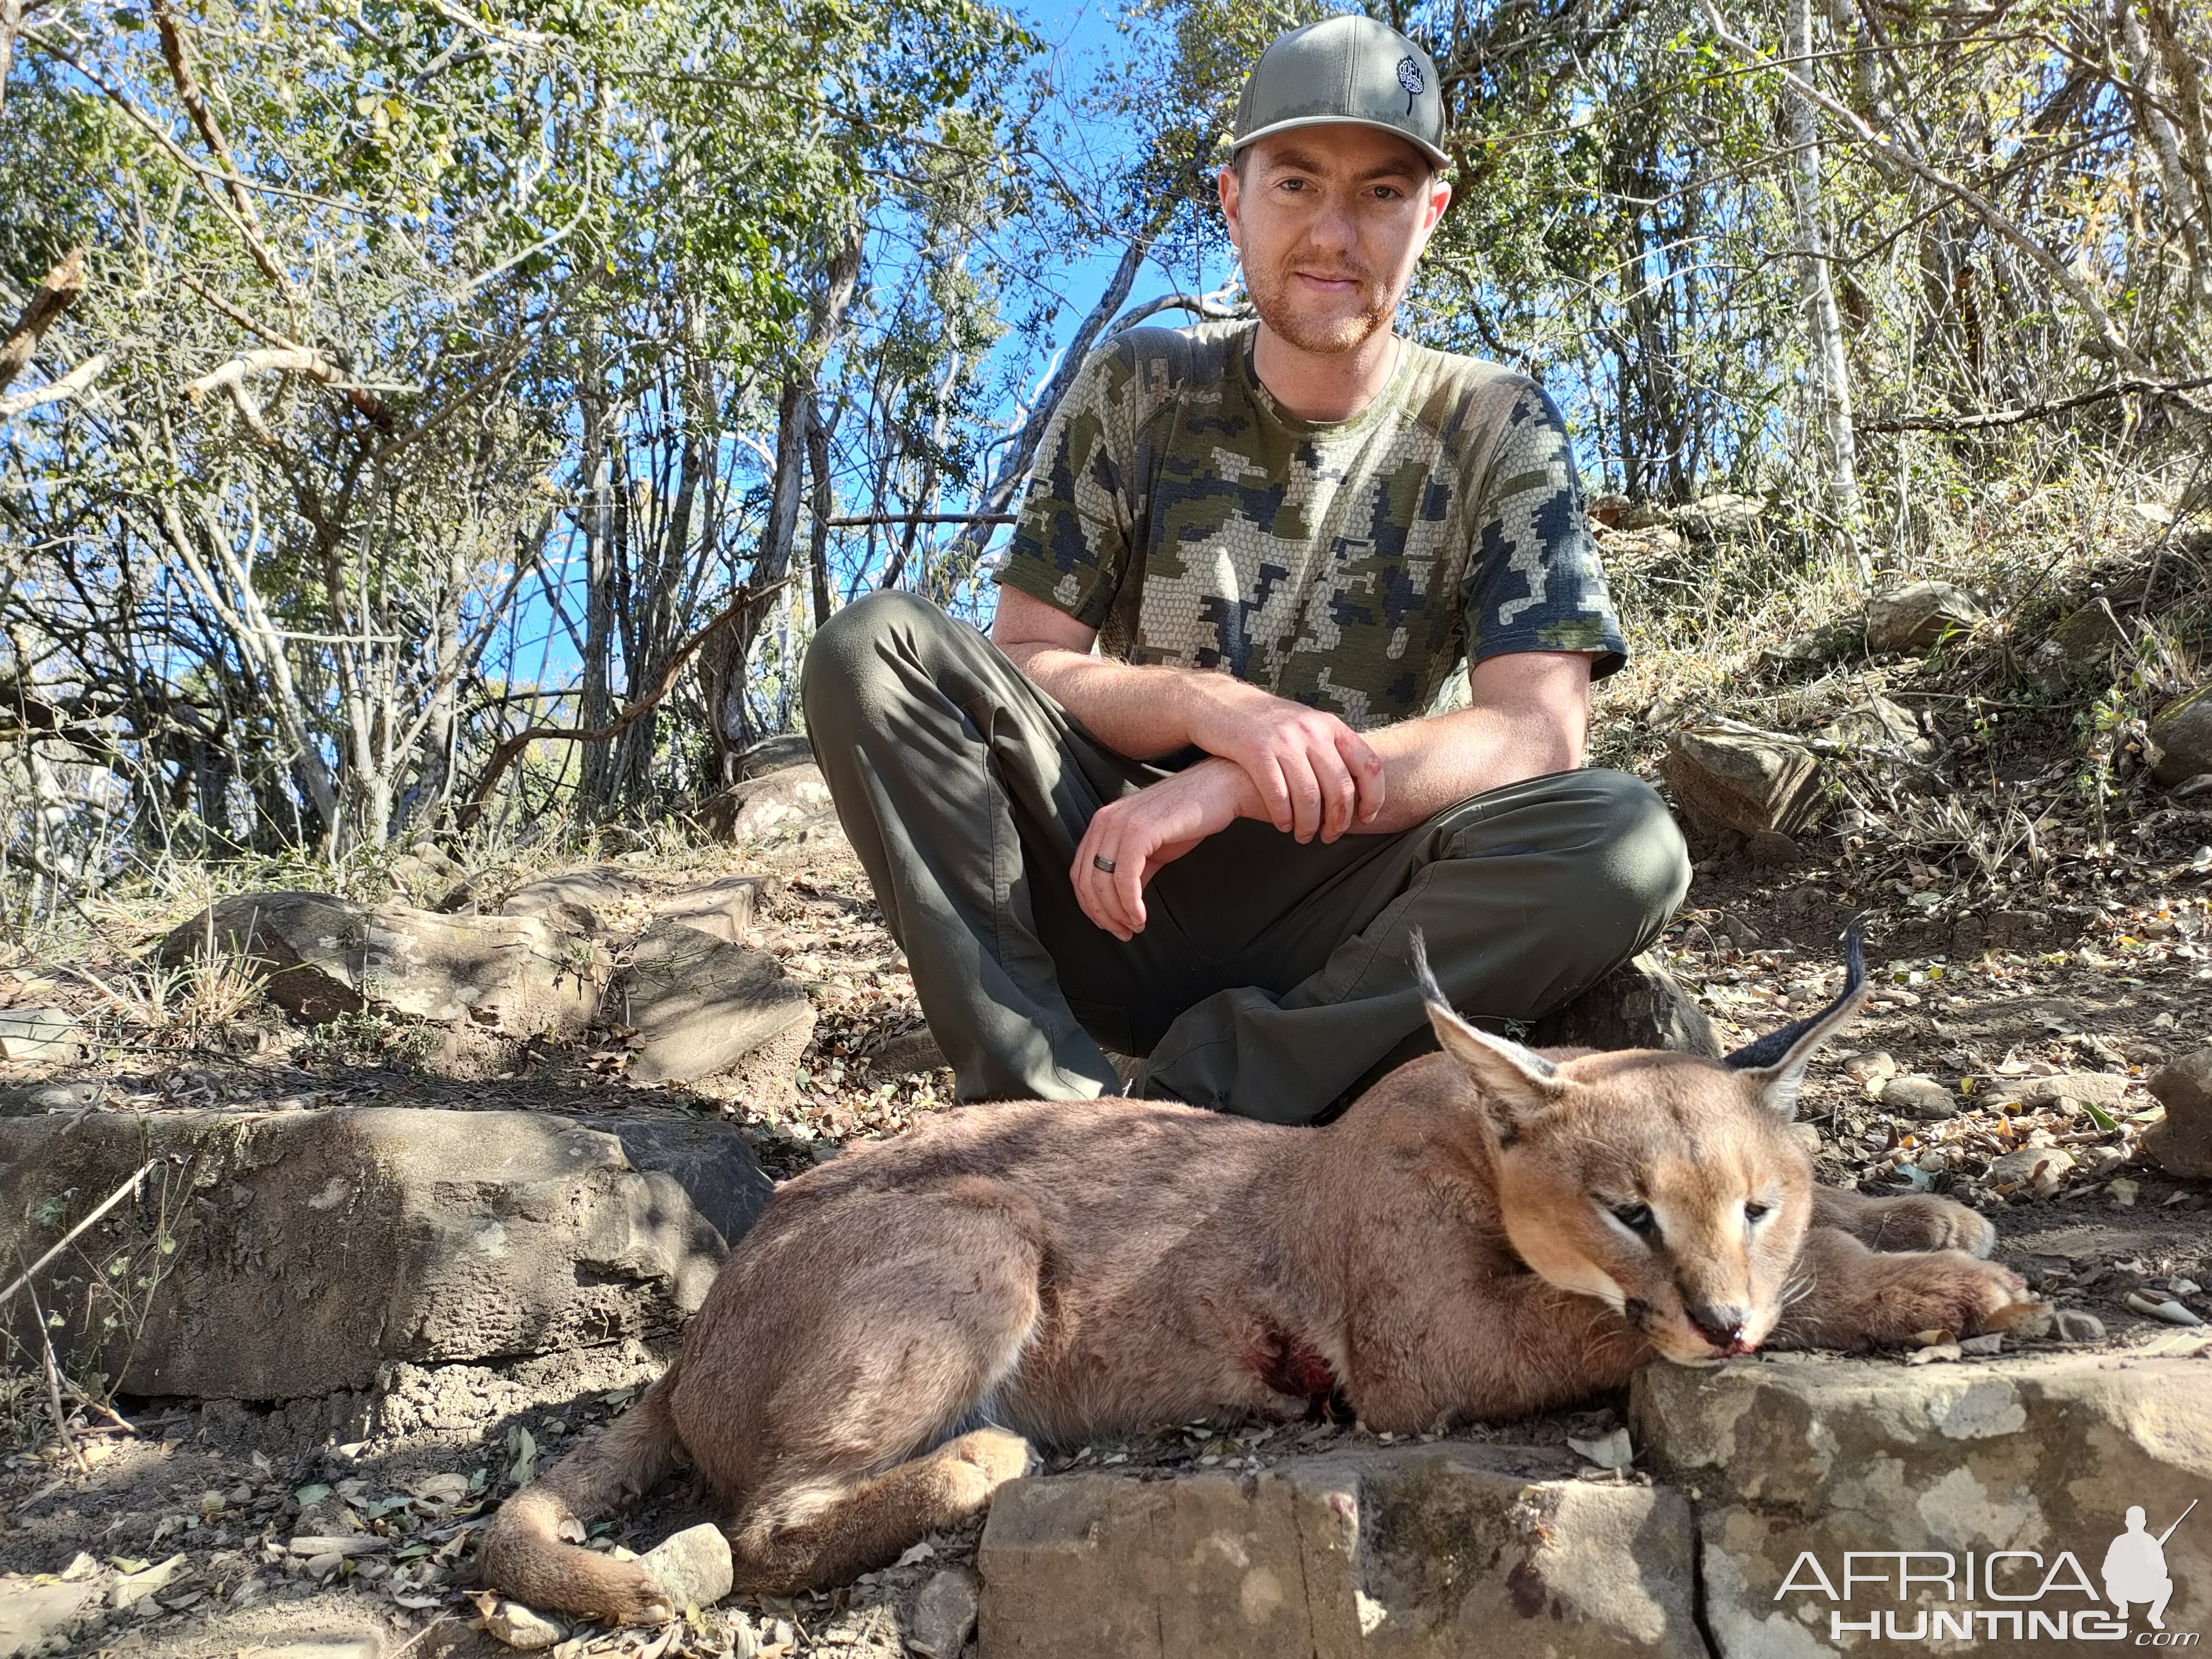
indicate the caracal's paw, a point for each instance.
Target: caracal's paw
{"x":978,"y":1463}
{"x":1919,"y":1222}
{"x":1947,"y":1291}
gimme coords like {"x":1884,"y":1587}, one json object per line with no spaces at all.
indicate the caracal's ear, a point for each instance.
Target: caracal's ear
{"x":1777,"y":1060}
{"x":1518,"y":1084}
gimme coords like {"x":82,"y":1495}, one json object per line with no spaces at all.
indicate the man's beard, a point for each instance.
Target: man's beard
{"x":1273,"y":297}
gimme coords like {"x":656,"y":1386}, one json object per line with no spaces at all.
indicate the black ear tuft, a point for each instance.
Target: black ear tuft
{"x":1769,"y":1049}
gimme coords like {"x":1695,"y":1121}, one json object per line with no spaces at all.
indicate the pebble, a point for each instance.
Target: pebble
{"x":2074,"y":1325}
{"x":1923,"y":1096}
{"x":522,"y":1627}
{"x":944,"y":1615}
{"x":693,"y":1566}
{"x":1870,"y":1069}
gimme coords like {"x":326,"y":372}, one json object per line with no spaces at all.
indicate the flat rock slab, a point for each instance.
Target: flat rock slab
{"x":723,"y":909}
{"x":705,"y":1007}
{"x":313,"y":1248}
{"x":1792,"y":1464}
{"x":324,"y":957}
{"x":1439,"y":1551}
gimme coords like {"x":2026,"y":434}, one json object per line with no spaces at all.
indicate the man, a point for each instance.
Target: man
{"x":1209,"y":841}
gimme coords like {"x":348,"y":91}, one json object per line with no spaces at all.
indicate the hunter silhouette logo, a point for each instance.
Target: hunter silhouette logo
{"x":2134,"y":1567}
{"x":1409,"y":76}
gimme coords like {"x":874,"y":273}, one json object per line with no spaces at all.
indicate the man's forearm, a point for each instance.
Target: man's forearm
{"x":1433,"y":764}
{"x":1141,"y":710}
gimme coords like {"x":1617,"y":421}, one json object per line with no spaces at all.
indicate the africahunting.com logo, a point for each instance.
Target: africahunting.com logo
{"x":2003,"y":1596}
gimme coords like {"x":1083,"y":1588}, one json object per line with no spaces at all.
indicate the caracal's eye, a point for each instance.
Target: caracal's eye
{"x":1636,"y":1217}
{"x":1754,"y":1211}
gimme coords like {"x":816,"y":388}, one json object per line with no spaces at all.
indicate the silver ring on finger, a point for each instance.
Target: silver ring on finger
{"x":1100,"y":861}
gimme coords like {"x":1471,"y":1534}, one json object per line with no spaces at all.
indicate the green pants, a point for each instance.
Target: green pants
{"x":1271,"y":976}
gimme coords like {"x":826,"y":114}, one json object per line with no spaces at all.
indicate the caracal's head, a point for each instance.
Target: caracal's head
{"x":1669,"y":1186}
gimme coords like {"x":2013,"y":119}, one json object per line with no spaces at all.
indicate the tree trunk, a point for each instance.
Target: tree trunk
{"x":1824,"y":326}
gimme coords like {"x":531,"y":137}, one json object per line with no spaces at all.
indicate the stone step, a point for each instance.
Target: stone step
{"x":312,"y":1248}
{"x":1776,"y":1476}
{"x":2041,"y":1454}
{"x":1446,"y":1550}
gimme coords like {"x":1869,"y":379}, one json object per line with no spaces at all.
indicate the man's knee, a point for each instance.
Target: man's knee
{"x":1637,"y":859}
{"x":852,"y":661}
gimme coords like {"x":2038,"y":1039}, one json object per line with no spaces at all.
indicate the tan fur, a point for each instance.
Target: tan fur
{"x":1446,"y":1250}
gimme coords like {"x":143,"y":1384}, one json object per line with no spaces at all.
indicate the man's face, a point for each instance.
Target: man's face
{"x":1330,"y":220}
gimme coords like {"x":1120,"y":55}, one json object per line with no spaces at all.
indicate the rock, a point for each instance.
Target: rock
{"x":424,"y":872}
{"x":908,"y":1053}
{"x":1608,"y":509}
{"x":1915,"y":617}
{"x":1436,"y":1550}
{"x":522,"y":1627}
{"x":1726,"y":781}
{"x":693,"y":1566}
{"x":1636,"y":1006}
{"x":2041,"y":1169}
{"x":776,"y":754}
{"x":324,"y":957}
{"x":574,"y":902}
{"x":1922,"y":1096}
{"x":1721,"y":514}
{"x":1644,"y":515}
{"x":944,"y":1615}
{"x":791,"y":800}
{"x":1874,"y":1068}
{"x":2182,"y":1144}
{"x":32,"y":1613}
{"x":2102,"y":1088}
{"x":133,"y":1588}
{"x":704,"y":1006}
{"x":723,"y":909}
{"x":1878,"y":723}
{"x":2182,"y":732}
{"x":2042,"y":1454}
{"x":37,"y":1034}
{"x":316,"y":1247}
{"x":2084,"y":640}
{"x":2076,"y":1326}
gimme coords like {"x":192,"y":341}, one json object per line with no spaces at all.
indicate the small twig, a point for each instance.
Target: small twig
{"x":101,"y":1407}
{"x":54,"y":1389}
{"x":67,"y":1238}
{"x":860,"y":520}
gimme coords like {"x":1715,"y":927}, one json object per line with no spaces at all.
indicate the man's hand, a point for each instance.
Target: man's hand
{"x":1312,"y":774}
{"x":1139,"y":832}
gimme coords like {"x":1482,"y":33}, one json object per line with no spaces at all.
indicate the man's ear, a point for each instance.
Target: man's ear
{"x":1519,"y":1086}
{"x":1233,"y":193}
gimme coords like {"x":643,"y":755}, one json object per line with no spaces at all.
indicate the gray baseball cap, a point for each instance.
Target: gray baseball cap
{"x":1344,"y":69}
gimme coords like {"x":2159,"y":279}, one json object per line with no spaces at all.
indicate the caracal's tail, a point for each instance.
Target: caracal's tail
{"x":532,"y":1551}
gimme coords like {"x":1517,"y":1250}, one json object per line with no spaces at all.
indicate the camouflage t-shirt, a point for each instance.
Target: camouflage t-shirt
{"x":1353,"y":566}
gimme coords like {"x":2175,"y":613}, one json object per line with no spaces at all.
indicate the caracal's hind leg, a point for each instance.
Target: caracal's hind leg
{"x":845,"y":1359}
{"x":1909,"y":1221}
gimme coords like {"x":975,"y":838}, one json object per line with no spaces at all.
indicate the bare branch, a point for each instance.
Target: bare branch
{"x":74,"y":384}
{"x":54,"y":295}
{"x":2033,"y":411}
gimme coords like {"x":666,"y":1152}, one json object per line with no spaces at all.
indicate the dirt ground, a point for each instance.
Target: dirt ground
{"x":2107,"y":972}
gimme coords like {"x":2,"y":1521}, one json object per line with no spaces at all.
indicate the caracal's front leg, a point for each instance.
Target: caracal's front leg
{"x":1845,"y":1295}
{"x":1909,"y":1221}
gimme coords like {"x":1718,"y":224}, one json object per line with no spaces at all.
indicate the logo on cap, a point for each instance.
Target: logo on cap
{"x":1409,"y":76}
